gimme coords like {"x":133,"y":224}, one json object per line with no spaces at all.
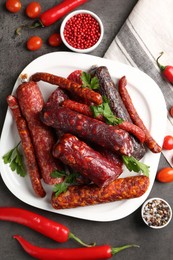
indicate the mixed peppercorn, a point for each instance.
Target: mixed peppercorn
{"x":156,"y":213}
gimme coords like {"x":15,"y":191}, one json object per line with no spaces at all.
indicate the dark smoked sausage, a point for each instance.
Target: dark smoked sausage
{"x":86,"y":195}
{"x":28,"y":149}
{"x":90,"y":129}
{"x":150,"y":142}
{"x":71,"y":86}
{"x":31,"y":103}
{"x":108,"y":89}
{"x":85,"y":160}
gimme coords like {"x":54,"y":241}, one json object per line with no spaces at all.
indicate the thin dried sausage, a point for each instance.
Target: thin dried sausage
{"x":150,"y":142}
{"x":85,"y":160}
{"x":27,"y":146}
{"x":86,"y":195}
{"x":73,"y":87}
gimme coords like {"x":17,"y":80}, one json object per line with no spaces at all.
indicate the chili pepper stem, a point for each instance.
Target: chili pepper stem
{"x":159,"y":65}
{"x":35,"y":24}
{"x":71,"y":235}
{"x":116,"y":250}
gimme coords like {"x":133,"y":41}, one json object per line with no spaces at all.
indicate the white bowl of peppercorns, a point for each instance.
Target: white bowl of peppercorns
{"x":82,"y":31}
{"x":156,"y":213}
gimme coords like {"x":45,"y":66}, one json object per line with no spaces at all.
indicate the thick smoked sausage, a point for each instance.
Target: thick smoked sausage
{"x":90,"y":129}
{"x":31,"y":103}
{"x":86,"y":195}
{"x":108,"y":89}
{"x":85,"y":160}
{"x":85,"y":110}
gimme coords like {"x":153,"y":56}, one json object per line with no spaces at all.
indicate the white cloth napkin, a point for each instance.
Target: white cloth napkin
{"x":146,"y":33}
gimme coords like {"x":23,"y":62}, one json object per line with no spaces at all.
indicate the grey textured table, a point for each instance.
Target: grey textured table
{"x":154,"y":244}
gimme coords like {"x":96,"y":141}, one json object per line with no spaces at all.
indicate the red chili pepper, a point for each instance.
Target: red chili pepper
{"x":53,"y":14}
{"x":167,"y":71}
{"x":43,"y":225}
{"x":90,"y":253}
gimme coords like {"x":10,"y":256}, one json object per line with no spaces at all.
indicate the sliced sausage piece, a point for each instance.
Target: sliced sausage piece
{"x":89,"y":129}
{"x":108,"y":89}
{"x":85,"y":160}
{"x":73,"y":87}
{"x":86,"y":195}
{"x":28,"y":149}
{"x":150,"y":142}
{"x":31,"y":103}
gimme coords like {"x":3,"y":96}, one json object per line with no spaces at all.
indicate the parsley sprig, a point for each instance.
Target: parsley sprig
{"x":105,"y":110}
{"x":69,"y":179}
{"x":15,"y":159}
{"x":88,"y":81}
{"x":134,"y":165}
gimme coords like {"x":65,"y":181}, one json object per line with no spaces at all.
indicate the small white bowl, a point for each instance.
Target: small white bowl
{"x":69,"y":16}
{"x":156,"y":213}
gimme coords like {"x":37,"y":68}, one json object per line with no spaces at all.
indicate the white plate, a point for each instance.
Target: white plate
{"x":146,"y":97}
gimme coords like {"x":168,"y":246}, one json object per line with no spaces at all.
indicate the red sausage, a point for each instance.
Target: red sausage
{"x":57,"y":97}
{"x":82,"y":158}
{"x":86,"y":195}
{"x":31,"y":103}
{"x":125,"y":125}
{"x":81,"y":108}
{"x":71,"y":86}
{"x":109,"y":90}
{"x":27,"y":145}
{"x":150,"y":142}
{"x":90,"y":129}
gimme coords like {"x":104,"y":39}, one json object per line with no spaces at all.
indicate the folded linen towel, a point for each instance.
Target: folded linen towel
{"x":146,"y":33}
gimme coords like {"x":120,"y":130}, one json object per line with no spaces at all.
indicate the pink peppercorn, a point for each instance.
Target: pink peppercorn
{"x":82,"y":31}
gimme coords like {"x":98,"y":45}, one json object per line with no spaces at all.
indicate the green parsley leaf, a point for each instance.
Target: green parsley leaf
{"x":60,"y":187}
{"x":68,"y":180}
{"x":15,"y":160}
{"x":58,"y":174}
{"x":88,"y":81}
{"x":134,"y":165}
{"x":105,"y":110}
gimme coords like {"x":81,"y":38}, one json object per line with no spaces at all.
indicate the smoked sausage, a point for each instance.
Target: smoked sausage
{"x":108,"y":89}
{"x":85,"y":110}
{"x":31,"y":103}
{"x":28,"y":149}
{"x":85,"y":160}
{"x":90,"y":129}
{"x":86,"y":195}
